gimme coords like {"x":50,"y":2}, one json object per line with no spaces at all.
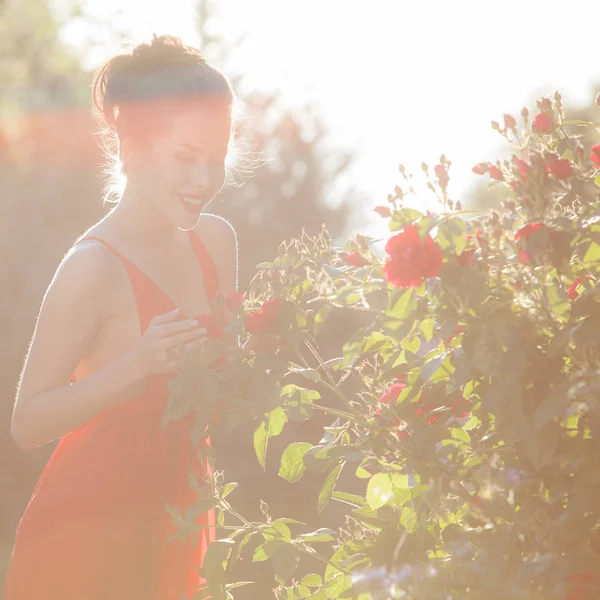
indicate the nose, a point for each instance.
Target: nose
{"x":200,"y":177}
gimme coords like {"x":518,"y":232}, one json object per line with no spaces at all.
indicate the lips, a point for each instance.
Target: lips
{"x":191,"y":208}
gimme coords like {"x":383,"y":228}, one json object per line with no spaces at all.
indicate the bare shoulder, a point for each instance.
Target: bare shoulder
{"x":220,"y":239}
{"x":216,"y":231}
{"x":90,"y":259}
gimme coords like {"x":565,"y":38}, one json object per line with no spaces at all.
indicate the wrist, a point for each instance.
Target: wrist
{"x":134,"y":364}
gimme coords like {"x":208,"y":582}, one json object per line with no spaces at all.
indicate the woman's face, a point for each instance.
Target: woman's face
{"x":184,"y":169}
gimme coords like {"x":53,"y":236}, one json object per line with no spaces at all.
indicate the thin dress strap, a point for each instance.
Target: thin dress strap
{"x":147,"y":302}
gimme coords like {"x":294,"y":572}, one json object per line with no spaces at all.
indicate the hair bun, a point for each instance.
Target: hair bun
{"x":164,"y":49}
{"x":161,"y":69}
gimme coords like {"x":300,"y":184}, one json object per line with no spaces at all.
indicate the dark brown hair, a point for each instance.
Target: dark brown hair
{"x":133,"y":94}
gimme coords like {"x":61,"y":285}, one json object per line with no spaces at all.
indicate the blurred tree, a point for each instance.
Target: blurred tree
{"x":50,"y":192}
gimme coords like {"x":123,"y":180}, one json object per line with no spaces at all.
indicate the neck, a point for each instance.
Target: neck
{"x":143,"y":221}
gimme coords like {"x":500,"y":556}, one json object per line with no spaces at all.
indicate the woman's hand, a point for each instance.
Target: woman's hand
{"x":168,"y":337}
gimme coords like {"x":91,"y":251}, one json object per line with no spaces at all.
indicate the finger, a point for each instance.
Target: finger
{"x":169,"y":317}
{"x":174,"y":340}
{"x":171,"y":329}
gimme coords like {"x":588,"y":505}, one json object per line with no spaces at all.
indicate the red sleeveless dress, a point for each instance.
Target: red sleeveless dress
{"x":96,"y":527}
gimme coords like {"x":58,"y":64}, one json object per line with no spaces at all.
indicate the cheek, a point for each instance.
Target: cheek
{"x":167,"y":174}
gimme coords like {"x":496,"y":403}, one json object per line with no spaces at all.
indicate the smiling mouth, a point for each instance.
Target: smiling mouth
{"x":193,"y":204}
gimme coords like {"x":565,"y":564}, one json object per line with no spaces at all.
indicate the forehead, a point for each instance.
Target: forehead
{"x":200,"y":126}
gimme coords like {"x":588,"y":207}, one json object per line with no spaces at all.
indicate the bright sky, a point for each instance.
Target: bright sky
{"x":399,"y":80}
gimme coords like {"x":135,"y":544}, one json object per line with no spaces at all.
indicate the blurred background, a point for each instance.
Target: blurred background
{"x":334,"y":94}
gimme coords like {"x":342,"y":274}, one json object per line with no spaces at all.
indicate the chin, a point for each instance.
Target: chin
{"x":187,"y":221}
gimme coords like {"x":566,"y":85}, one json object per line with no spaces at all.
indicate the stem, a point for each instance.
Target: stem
{"x":230,"y":509}
{"x":334,"y":411}
{"x":310,"y":551}
{"x":332,"y":388}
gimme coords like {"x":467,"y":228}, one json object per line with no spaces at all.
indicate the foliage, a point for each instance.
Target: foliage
{"x":465,"y":464}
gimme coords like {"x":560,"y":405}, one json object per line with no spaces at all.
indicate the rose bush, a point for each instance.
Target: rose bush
{"x":462,"y":452}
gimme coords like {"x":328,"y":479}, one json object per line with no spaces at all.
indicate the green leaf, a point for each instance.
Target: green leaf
{"x":403,"y":217}
{"x":400,"y":481}
{"x":285,"y":561}
{"x":362,"y":473}
{"x":311,"y":374}
{"x":267,"y":550}
{"x":592,"y":254}
{"x":451,"y":234}
{"x":320,"y":535}
{"x":228,"y":488}
{"x":557,"y":298}
{"x":328,"y":487}
{"x":299,"y":407}
{"x":292,"y":461}
{"x":214,"y":560}
{"x":272,"y":426}
{"x":352,"y":499}
{"x":376,"y":341}
{"x":321,"y":316}
{"x":412,"y":344}
{"x":379,"y":490}
{"x":408,"y":519}
{"x":312,"y":580}
{"x":401,"y":304}
{"x":427,"y":328}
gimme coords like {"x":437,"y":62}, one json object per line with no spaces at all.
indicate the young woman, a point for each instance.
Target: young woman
{"x":117,"y":316}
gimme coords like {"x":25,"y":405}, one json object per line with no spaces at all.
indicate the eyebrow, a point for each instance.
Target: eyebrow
{"x":196,"y":149}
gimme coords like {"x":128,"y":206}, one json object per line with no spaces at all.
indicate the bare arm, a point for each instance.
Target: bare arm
{"x":46,"y":405}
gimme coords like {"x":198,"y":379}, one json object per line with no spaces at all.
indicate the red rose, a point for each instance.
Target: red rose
{"x":595,"y":154}
{"x":528,"y":229}
{"x":478,"y":501}
{"x":234,"y":301}
{"x":522,"y":168}
{"x":537,"y":244}
{"x":213,"y":329}
{"x":460,"y":408}
{"x":478,"y":235}
{"x":391,"y":394}
{"x":542,"y":123}
{"x":481,"y":168}
{"x":356,"y":259}
{"x":560,"y":168}
{"x":457,"y":331}
{"x":572,"y":292}
{"x":383,"y":211}
{"x":495,"y":173}
{"x":411,"y":259}
{"x":465,"y":258}
{"x":427,"y":407}
{"x":265,"y":319}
